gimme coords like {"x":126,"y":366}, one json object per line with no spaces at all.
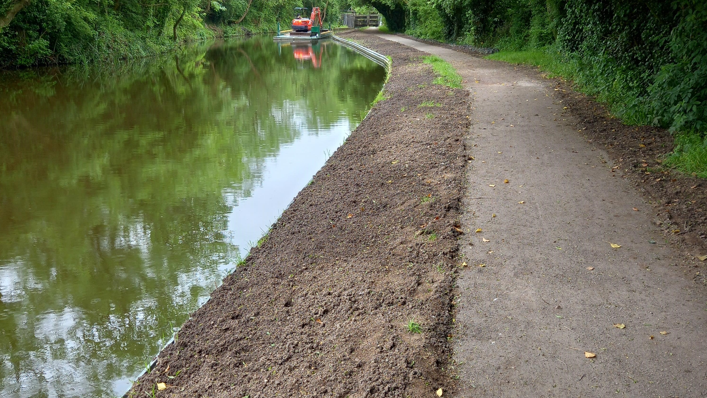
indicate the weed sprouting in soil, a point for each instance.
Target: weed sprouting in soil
{"x":427,"y":199}
{"x":402,"y":109}
{"x":264,"y":239}
{"x":429,"y":116}
{"x":429,"y":104}
{"x":432,"y":237}
{"x":382,"y":96}
{"x":446,"y":74}
{"x":414,"y":327}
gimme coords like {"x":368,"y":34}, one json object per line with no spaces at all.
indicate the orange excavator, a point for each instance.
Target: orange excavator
{"x":304,"y":24}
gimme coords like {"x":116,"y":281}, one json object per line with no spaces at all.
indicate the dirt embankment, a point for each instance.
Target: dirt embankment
{"x":323,"y":307}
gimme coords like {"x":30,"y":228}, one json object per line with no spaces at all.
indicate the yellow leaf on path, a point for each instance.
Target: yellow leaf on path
{"x":161,"y":386}
{"x":464,"y":264}
{"x":702,"y":258}
{"x":494,"y":215}
{"x":394,"y":162}
{"x":635,"y":209}
{"x":485,"y":240}
{"x":620,"y":325}
{"x":506,"y":181}
{"x":482,"y":265}
{"x":588,"y":354}
{"x":349,"y":216}
{"x":663,"y":333}
{"x":614,"y":245}
{"x":439,"y":392}
{"x":521,"y":202}
{"x":478,"y":230}
{"x":492,"y":185}
{"x":590,"y":268}
{"x":641,"y":146}
{"x":650,"y":337}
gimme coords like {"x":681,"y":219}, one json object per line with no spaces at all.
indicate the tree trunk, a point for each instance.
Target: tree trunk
{"x":17,"y":7}
{"x":176,"y":23}
{"x":244,"y":14}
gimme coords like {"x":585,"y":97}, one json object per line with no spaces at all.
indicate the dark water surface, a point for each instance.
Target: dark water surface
{"x":128,"y":191}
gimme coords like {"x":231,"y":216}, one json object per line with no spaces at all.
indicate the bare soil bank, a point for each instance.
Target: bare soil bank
{"x":322,"y":307}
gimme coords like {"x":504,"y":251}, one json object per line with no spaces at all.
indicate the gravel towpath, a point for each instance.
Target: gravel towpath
{"x":546,"y":284}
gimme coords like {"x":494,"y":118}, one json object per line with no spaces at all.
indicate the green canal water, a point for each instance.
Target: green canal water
{"x":128,"y":191}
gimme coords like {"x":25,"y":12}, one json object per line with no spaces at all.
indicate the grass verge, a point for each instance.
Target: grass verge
{"x":446,"y":74}
{"x":690,"y":155}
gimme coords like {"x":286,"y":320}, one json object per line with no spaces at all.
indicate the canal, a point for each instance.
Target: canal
{"x":129,"y":190}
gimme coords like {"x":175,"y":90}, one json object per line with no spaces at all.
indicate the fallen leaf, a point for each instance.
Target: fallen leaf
{"x":663,"y":333}
{"x":521,"y":202}
{"x":614,"y":245}
{"x":590,"y":268}
{"x":482,"y":265}
{"x":492,"y":185}
{"x":485,"y":240}
{"x":506,"y":181}
{"x":635,"y":209}
{"x":702,"y":258}
{"x":588,"y":354}
{"x":620,"y":325}
{"x":676,"y":231}
{"x":464,"y":264}
{"x":439,"y":392}
{"x":494,"y":215}
{"x":161,"y":386}
{"x":500,"y":152}
{"x":650,"y":337}
{"x":478,"y":230}
{"x":641,"y":146}
{"x":394,"y":162}
{"x":459,"y":230}
{"x":349,"y":216}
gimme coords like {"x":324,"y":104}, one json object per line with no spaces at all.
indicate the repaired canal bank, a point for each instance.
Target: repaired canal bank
{"x":330,"y":302}
{"x":365,"y":257}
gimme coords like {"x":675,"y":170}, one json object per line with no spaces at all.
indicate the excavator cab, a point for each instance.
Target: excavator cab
{"x":300,"y":23}
{"x":312,"y":24}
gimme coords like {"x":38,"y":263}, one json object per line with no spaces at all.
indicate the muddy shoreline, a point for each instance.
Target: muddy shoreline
{"x":363,"y":254}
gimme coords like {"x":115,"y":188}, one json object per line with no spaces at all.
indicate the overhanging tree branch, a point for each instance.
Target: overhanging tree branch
{"x":176,"y":24}
{"x":245,"y":13}
{"x":10,"y":15}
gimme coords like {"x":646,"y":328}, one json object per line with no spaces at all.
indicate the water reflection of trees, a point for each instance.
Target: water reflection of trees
{"x":114,"y":221}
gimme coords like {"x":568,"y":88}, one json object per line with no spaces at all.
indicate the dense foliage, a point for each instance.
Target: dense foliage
{"x":70,"y":31}
{"x":646,"y":58}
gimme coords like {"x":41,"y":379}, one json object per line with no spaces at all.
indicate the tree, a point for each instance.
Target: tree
{"x":12,"y":11}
